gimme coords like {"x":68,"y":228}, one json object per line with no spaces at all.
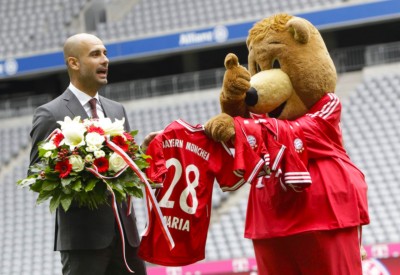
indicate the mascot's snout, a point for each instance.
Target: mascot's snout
{"x":251,"y":97}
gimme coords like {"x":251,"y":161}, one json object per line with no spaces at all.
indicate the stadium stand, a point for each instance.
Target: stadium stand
{"x":371,"y":134}
{"x":371,"y":130}
{"x":41,"y":26}
{"x":154,"y":17}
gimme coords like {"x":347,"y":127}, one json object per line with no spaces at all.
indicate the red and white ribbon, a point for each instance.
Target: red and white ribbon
{"x":116,"y":214}
{"x":150,"y":200}
{"x":149,"y":194}
{"x":56,"y":131}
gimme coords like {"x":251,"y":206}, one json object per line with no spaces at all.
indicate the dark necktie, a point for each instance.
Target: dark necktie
{"x":93,"y":108}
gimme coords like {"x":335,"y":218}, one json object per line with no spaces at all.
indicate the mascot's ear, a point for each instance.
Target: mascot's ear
{"x":299,"y":29}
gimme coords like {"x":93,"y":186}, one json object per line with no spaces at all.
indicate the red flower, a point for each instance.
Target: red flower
{"x":63,"y":167}
{"x":121,"y":142}
{"x":95,"y":129}
{"x":101,"y":164}
{"x":128,"y":136}
{"x":57,"y":139}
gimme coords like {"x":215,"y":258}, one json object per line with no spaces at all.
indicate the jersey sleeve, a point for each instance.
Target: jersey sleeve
{"x":157,"y":169}
{"x":327,"y":108}
{"x":251,"y":154}
{"x":227,"y":179}
{"x":321,"y":128}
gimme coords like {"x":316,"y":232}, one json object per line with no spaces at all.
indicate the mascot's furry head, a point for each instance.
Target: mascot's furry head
{"x":289,"y":71}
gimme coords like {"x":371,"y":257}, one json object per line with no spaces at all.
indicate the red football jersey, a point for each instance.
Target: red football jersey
{"x":249,"y":146}
{"x":187,"y":162}
{"x":286,"y":156}
{"x":338,"y":196}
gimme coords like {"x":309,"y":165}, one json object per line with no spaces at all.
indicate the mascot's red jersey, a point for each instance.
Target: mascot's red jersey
{"x":187,"y":162}
{"x":337,"y":197}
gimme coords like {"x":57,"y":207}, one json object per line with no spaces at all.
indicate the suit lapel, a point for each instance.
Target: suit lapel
{"x":108,"y":109}
{"x":73,"y":105}
{"x":76,"y":109}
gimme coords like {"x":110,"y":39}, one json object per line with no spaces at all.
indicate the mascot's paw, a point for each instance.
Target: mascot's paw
{"x":220,"y":128}
{"x":236,"y":79}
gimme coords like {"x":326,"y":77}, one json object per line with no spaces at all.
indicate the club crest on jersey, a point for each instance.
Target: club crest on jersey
{"x":298,"y":145}
{"x":252,"y":141}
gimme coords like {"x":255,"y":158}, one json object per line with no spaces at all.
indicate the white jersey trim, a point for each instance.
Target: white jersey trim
{"x":234,"y":187}
{"x":197,"y":128}
{"x":278,"y":158}
{"x":328,"y":108}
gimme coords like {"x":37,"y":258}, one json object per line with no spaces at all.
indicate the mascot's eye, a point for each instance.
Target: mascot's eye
{"x":276,"y":64}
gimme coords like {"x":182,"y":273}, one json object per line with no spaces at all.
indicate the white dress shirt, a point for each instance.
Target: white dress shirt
{"x":84,"y":100}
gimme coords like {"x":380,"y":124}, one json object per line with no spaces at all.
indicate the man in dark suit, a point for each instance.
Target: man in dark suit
{"x":88,"y":240}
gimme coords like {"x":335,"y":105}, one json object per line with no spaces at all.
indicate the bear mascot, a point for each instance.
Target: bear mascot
{"x":305,"y":213}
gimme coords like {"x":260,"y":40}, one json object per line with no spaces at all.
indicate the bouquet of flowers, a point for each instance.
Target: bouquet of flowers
{"x":83,"y":160}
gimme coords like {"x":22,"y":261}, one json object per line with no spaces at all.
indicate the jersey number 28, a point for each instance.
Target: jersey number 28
{"x":189,"y":190}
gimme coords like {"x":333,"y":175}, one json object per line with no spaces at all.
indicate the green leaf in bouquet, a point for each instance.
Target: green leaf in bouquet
{"x":36,"y":169}
{"x":91,"y":199}
{"x":124,"y":178}
{"x":66,"y":201}
{"x":37,"y":186}
{"x":144,"y":156}
{"x":135,"y":191}
{"x":27,"y":181}
{"x":129,"y":184}
{"x":67,"y":181}
{"x":49,"y":185}
{"x":51,"y":175}
{"x":77,"y":185}
{"x":43,"y":196}
{"x":119,"y":188}
{"x":137,"y":181}
{"x":42,"y":152}
{"x":67,"y":190}
{"x":91,"y":184}
{"x":134,"y":132}
{"x":141,"y":163}
{"x":55,"y":202}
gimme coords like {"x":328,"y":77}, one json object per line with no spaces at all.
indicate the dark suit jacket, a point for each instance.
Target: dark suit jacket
{"x":81,"y":228}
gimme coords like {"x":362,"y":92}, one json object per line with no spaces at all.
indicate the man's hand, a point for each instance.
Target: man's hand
{"x":148,"y":139}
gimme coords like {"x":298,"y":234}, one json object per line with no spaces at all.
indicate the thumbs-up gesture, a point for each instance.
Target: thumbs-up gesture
{"x":236,"y":78}
{"x":235,"y":85}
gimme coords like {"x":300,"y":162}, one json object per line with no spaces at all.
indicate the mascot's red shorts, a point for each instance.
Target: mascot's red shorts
{"x":333,"y":252}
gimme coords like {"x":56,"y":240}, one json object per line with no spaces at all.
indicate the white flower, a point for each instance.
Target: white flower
{"x":77,"y":163}
{"x":73,"y":131}
{"x":91,"y":148}
{"x":87,"y":122}
{"x":48,"y":146}
{"x":94,"y":139}
{"x":89,"y":158}
{"x":47,"y":154}
{"x":112,"y":128}
{"x":27,"y":182}
{"x":99,"y":154}
{"x":116,"y":162}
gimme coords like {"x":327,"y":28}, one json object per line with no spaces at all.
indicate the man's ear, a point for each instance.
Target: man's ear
{"x":73,"y":63}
